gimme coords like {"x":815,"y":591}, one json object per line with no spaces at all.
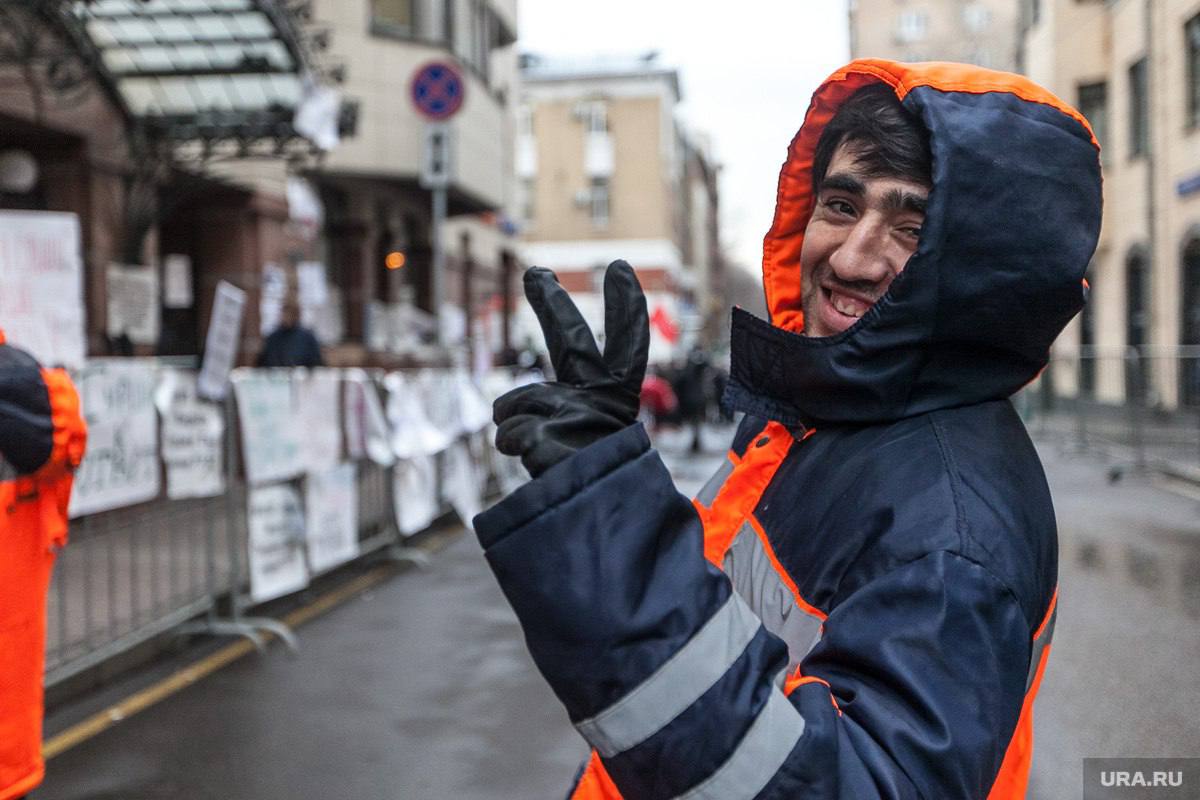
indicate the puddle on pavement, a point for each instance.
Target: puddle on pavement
{"x":1164,"y":564}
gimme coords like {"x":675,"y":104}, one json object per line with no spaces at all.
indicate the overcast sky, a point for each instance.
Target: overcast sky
{"x":747,"y":70}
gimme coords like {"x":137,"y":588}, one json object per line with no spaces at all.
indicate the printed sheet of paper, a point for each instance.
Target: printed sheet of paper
{"x":120,"y":467}
{"x":41,"y":275}
{"x":193,"y":434}
{"x":331,"y":499}
{"x":276,"y":542}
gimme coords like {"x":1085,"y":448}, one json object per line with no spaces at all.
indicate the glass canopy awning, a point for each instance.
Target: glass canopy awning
{"x":208,"y":71}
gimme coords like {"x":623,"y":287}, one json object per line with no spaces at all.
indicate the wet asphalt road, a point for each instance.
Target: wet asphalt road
{"x":421,"y":689}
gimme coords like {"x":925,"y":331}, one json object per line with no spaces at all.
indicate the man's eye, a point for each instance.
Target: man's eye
{"x":911,"y":231}
{"x":839,"y":206}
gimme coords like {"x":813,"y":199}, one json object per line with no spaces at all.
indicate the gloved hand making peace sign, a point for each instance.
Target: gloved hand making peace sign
{"x":593,"y":395}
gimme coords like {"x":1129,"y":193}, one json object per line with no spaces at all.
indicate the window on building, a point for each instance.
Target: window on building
{"x":393,"y":17}
{"x":528,"y":194}
{"x":600,"y":202}
{"x":1139,"y":110}
{"x":1087,"y":340}
{"x":595,"y":117}
{"x":976,"y":17}
{"x":1035,"y":11}
{"x":1137,"y":320}
{"x":475,"y":33}
{"x":1192,"y":31}
{"x":1093,"y":104}
{"x":1189,"y":383}
{"x":912,"y":25}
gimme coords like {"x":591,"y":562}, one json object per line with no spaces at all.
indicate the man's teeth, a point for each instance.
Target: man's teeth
{"x":850,"y":309}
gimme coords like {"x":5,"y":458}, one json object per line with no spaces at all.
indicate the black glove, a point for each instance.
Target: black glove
{"x":593,"y":396}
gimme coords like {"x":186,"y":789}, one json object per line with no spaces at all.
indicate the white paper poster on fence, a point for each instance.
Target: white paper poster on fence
{"x":461,"y":482}
{"x":475,"y":411}
{"x":438,"y":392}
{"x":221,"y":343}
{"x":413,"y":433}
{"x":133,"y":303}
{"x":317,"y":411}
{"x":193,"y":433}
{"x":367,"y":434}
{"x":331,"y":501}
{"x":414,"y":491}
{"x":270,"y":429}
{"x":276,"y":542}
{"x":41,"y":275}
{"x":120,"y":467}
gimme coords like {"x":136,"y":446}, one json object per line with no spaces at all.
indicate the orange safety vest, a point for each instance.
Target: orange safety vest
{"x":33,"y":525}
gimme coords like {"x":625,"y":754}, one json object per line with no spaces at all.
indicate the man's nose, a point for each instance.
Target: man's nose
{"x":862,"y":256}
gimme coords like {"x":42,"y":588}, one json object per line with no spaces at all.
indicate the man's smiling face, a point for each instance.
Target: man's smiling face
{"x":859,"y":238}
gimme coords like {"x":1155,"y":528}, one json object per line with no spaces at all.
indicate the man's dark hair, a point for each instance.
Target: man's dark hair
{"x":888,"y":141}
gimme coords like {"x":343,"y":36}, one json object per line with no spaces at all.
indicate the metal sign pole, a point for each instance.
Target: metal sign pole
{"x":437,"y":92}
{"x":438,"y":284}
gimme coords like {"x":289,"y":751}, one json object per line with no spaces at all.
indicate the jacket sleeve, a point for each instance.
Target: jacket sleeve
{"x":672,"y":678}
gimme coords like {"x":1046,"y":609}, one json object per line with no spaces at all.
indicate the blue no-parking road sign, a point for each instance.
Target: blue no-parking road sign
{"x":437,"y":90}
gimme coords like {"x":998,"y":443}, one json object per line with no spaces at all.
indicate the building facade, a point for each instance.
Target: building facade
{"x":272,"y":145}
{"x":133,"y":117}
{"x":1133,"y":68}
{"x":378,"y":238}
{"x":983,"y":32}
{"x":605,"y":172}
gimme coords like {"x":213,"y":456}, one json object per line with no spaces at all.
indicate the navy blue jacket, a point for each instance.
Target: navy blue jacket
{"x":860,"y":602}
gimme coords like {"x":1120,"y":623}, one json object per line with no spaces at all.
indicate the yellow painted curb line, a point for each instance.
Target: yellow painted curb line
{"x":97,"y":723}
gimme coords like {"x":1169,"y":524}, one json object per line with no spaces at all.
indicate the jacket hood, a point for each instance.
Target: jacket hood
{"x":1011,"y":223}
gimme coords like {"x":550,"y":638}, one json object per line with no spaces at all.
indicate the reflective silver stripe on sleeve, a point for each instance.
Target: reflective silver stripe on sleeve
{"x":674,"y":686}
{"x":756,"y":580}
{"x":759,"y":755}
{"x":708,"y":493}
{"x":1039,"y":646}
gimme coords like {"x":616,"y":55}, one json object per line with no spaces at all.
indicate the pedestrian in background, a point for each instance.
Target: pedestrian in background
{"x":42,"y":440}
{"x":860,"y":603}
{"x":291,"y":344}
{"x":692,"y":387}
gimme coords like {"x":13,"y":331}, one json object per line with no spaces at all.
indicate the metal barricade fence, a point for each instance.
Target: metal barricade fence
{"x":1137,"y":406}
{"x":132,"y":574}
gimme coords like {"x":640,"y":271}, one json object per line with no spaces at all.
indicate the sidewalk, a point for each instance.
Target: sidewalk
{"x":1132,"y":439}
{"x":420,"y":688}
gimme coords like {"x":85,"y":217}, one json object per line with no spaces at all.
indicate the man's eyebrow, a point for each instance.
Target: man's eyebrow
{"x":843,"y":182}
{"x":900,"y":200}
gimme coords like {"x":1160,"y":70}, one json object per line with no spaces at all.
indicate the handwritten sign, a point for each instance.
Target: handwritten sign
{"x":41,"y":272}
{"x":331,"y":500}
{"x":461,"y":482}
{"x":133,"y":305}
{"x":317,"y":410}
{"x":414,"y":492}
{"x":177,"y":281}
{"x":221,"y":343}
{"x":192,"y":437}
{"x":121,"y":464}
{"x":408,"y":410}
{"x":276,"y":542}
{"x":366,"y":426}
{"x":271,"y":434}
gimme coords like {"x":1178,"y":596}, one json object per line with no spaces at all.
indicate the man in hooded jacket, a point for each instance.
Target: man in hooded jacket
{"x":42,"y":439}
{"x":860,"y":602}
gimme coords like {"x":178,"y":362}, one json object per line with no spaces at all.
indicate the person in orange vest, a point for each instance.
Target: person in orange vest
{"x":860,"y":602}
{"x":42,"y":440}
